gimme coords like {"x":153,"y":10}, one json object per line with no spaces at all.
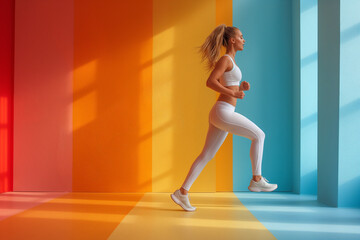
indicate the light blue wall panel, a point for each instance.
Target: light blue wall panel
{"x":349,"y":105}
{"x":308,"y":91}
{"x":266,"y":63}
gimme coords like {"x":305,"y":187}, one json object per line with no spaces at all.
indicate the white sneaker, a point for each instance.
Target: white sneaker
{"x":182,"y":200}
{"x":262,"y":185}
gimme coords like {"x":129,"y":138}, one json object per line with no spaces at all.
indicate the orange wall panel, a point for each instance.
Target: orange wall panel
{"x":112,"y":96}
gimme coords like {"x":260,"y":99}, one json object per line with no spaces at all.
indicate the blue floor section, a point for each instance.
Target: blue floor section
{"x":292,"y":216}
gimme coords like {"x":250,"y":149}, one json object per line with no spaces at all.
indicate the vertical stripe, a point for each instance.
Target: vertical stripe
{"x":43,"y":95}
{"x":112,"y":96}
{"x":181,"y":101}
{"x":271,"y":111}
{"x":7,"y":24}
{"x":224,"y":157}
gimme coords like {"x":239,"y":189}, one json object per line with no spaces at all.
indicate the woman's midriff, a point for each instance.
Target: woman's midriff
{"x":227,"y":98}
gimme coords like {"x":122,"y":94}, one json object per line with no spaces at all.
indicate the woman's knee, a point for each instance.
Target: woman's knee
{"x":260,"y":135}
{"x":206,"y":156}
{"x":209,"y":156}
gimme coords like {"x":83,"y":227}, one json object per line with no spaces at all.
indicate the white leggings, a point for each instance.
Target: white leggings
{"x":222,"y":120}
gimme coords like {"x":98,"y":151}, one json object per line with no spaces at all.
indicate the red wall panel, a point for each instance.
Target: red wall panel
{"x":6,"y":94}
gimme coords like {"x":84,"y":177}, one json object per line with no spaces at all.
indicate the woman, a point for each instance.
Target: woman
{"x":223,"y":118}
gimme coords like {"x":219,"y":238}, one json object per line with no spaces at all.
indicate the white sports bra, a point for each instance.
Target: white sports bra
{"x":232,"y":77}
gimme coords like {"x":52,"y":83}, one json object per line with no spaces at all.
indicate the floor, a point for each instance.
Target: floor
{"x":225,"y":215}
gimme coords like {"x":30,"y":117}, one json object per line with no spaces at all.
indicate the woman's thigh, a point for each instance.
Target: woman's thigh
{"x":237,"y":124}
{"x":214,"y":139}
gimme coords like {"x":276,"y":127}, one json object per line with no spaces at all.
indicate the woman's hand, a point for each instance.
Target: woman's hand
{"x":239,"y":94}
{"x":244,"y":86}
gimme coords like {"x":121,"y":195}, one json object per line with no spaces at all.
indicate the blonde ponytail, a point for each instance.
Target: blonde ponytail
{"x":210,"y":49}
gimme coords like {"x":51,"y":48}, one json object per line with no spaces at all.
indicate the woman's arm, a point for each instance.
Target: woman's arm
{"x":213,"y":81}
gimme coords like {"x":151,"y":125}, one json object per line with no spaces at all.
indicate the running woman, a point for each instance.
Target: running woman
{"x":222,"y":117}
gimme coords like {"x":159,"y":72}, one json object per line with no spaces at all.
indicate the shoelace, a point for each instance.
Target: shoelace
{"x":265,"y":179}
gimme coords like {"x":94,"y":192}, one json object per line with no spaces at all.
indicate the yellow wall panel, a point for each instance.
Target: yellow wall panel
{"x":181,"y":100}
{"x":224,"y":157}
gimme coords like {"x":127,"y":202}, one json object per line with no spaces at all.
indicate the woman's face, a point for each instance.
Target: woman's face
{"x":238,"y":40}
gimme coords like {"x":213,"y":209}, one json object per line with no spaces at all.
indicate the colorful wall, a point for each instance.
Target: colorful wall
{"x":111,"y":96}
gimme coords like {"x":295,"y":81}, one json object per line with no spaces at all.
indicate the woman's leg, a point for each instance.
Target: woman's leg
{"x":214,"y":139}
{"x":238,"y":124}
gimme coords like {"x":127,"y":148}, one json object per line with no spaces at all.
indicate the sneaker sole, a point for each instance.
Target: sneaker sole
{"x":261,"y":190}
{"x":178,"y":202}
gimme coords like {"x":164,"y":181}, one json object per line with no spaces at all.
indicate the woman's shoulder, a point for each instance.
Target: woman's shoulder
{"x":225,"y":59}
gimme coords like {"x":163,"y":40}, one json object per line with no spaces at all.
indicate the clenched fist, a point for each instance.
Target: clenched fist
{"x":244,"y":86}
{"x":239,"y":94}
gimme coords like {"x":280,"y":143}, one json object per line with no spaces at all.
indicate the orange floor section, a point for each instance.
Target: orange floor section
{"x":71,"y":216}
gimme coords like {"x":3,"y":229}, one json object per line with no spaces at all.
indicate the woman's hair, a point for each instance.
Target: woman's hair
{"x":210,"y":49}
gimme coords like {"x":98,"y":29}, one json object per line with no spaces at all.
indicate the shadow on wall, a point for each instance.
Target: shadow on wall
{"x":310,"y":181}
{"x":350,"y":33}
{"x":306,"y":5}
{"x":350,"y":108}
{"x":351,"y":186}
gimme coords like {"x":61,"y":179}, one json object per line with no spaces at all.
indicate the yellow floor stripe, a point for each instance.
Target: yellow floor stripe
{"x":218,"y":215}
{"x":72,"y":216}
